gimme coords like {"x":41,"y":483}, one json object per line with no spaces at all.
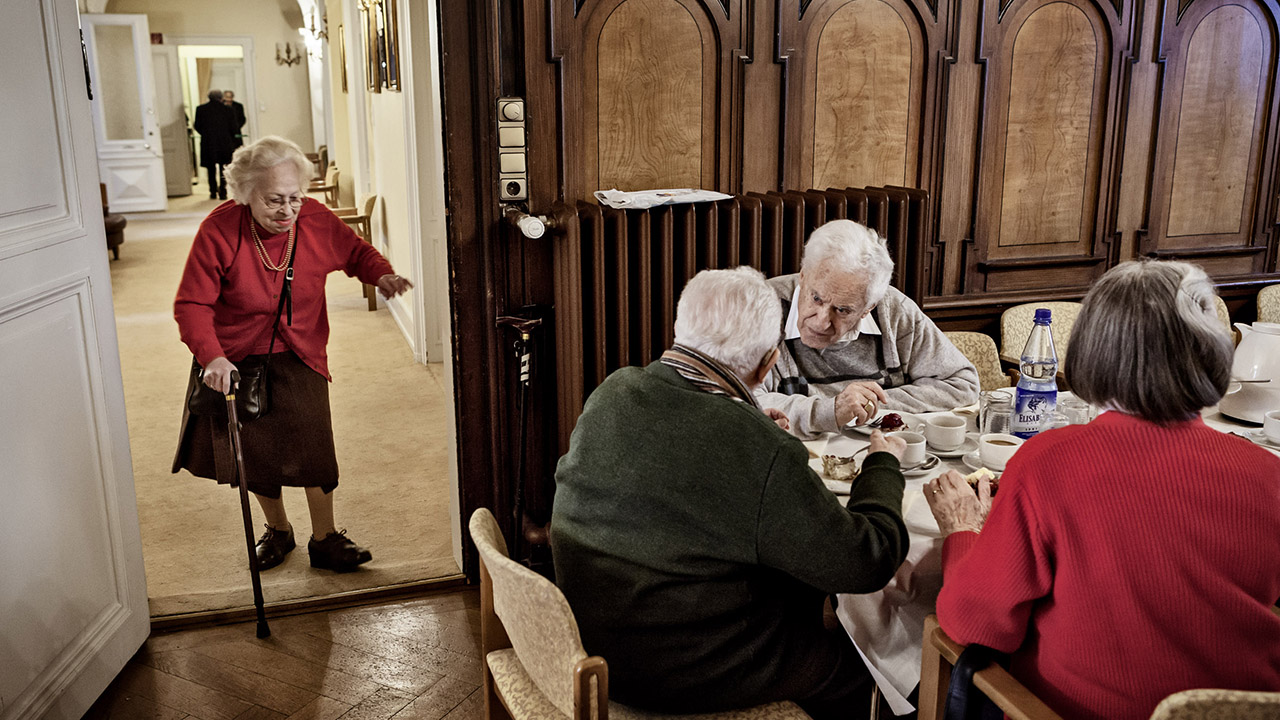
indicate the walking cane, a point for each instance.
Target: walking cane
{"x":524,"y":351}
{"x":233,"y":429}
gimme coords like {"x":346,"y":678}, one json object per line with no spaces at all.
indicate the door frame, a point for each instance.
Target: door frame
{"x":250,"y":73}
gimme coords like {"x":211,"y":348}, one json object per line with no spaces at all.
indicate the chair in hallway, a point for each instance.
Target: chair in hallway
{"x":535,"y":666}
{"x":980,"y":349}
{"x":1269,"y":304}
{"x":362,"y":224}
{"x":328,"y":186}
{"x":113,"y":223}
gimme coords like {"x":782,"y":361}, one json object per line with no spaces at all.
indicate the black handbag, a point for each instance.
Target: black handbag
{"x":964,"y":701}
{"x":253,"y":395}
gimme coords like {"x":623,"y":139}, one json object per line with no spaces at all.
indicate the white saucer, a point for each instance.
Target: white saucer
{"x":914,"y":422}
{"x":973,"y":462}
{"x":1257,"y":437}
{"x":969,"y":445}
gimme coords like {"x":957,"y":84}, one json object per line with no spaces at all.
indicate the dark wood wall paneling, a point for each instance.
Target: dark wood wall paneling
{"x":1055,"y":137}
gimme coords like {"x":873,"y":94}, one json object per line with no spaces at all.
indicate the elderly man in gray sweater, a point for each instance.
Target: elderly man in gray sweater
{"x":853,"y":345}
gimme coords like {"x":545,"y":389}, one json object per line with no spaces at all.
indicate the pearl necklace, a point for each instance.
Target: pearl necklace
{"x":262,"y":250}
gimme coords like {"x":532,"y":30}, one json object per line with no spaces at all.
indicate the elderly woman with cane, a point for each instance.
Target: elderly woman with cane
{"x":252,"y":296}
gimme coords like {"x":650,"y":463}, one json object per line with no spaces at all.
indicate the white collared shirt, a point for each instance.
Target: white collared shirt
{"x":792,"y":330}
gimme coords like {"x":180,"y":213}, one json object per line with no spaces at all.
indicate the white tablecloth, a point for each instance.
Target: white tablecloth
{"x":887,"y":626}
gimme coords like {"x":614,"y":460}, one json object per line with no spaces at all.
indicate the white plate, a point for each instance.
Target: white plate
{"x":973,"y":462}
{"x":914,"y":422}
{"x":1259,"y":438}
{"x":969,"y":445}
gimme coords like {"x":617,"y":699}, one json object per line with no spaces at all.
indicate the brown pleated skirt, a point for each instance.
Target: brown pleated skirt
{"x":291,"y":445}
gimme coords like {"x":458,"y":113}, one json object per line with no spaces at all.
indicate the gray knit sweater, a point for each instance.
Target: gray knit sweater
{"x":919,"y":368}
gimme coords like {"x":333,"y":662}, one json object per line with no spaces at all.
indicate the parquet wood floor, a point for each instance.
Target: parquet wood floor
{"x":414,"y":660}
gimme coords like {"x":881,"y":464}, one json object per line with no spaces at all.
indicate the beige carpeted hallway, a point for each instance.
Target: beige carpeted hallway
{"x":390,"y":422}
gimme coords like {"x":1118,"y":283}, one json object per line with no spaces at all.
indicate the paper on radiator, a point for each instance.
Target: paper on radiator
{"x":641,"y":199}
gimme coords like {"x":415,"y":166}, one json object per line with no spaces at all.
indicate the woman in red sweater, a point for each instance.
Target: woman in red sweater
{"x":1138,"y":555}
{"x":226,"y":309}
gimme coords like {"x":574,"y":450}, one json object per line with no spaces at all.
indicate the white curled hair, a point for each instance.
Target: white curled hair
{"x":851,"y":247}
{"x":732,"y":316}
{"x":253,"y":160}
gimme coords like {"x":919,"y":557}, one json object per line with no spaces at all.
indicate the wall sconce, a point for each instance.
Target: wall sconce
{"x":321,"y":32}
{"x":288,"y":56}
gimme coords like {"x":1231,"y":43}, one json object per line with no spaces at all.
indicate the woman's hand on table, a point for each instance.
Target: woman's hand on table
{"x":217,"y":374}
{"x":393,"y":285}
{"x":891,"y":444}
{"x":955,"y":506}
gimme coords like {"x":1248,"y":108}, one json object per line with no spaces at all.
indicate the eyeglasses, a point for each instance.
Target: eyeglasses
{"x":275,"y":202}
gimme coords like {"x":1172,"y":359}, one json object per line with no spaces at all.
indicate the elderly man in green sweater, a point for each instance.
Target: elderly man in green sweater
{"x":692,"y":539}
{"x":852,"y":344}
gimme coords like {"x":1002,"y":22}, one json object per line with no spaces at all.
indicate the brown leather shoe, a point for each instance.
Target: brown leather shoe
{"x":337,"y":553}
{"x":273,"y":546}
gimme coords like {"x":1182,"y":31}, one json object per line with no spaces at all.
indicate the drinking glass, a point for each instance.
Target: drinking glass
{"x":996,"y":411}
{"x":1075,"y":410}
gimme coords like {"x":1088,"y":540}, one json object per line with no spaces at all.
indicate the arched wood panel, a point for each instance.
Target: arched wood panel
{"x":649,"y":115}
{"x":1209,"y":190}
{"x":632,"y":94}
{"x":866,"y":97}
{"x":1046,"y":154}
{"x":859,"y":80}
{"x":1047,"y":138}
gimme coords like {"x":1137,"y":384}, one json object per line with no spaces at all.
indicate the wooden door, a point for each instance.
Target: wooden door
{"x":73,"y":597}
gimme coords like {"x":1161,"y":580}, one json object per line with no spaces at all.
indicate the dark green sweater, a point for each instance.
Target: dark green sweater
{"x":694,"y":543}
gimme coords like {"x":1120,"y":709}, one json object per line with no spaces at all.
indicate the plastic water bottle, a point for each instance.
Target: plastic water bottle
{"x":1036,"y":396}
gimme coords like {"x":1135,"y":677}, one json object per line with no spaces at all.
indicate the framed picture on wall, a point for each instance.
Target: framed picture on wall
{"x":372,"y":41}
{"x":391,"y":43}
{"x":342,"y":55}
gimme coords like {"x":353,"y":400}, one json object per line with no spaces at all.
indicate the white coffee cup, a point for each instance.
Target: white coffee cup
{"x":914,"y":454}
{"x":970,"y":417}
{"x":995,"y":449}
{"x":945,"y":432}
{"x":1271,"y":426}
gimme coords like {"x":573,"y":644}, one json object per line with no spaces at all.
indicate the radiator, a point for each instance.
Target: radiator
{"x":619,"y":273}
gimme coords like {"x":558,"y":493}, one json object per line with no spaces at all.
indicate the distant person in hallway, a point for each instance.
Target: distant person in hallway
{"x":693,"y":542}
{"x":216,"y":125}
{"x":1138,"y":555}
{"x":852,"y":345}
{"x":237,"y":113}
{"x":225,"y":308}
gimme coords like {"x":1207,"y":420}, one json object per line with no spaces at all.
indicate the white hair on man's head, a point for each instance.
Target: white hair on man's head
{"x":847,"y":246}
{"x":731,"y":315}
{"x":253,"y":160}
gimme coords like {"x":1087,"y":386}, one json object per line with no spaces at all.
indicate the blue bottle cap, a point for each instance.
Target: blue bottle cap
{"x":1043,"y":315}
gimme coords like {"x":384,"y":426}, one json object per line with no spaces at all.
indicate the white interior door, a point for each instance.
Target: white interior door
{"x":73,"y":600}
{"x":130,"y":153}
{"x":172,"y":119}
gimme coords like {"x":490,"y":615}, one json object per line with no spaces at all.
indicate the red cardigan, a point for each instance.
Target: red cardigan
{"x":1123,"y":562}
{"x":227,"y":298}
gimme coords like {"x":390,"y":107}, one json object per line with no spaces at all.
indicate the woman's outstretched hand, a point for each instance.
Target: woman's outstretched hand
{"x":217,"y":374}
{"x":393,"y":285}
{"x":954,"y":504}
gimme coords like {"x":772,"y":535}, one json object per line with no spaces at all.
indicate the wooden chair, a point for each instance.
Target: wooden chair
{"x":113,"y":223}
{"x":1269,"y":304}
{"x":980,"y":349}
{"x":940,"y":653}
{"x":361,"y":223}
{"x":328,"y":186}
{"x":535,"y":666}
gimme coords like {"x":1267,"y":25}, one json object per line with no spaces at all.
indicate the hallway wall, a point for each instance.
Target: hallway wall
{"x":283,"y":95}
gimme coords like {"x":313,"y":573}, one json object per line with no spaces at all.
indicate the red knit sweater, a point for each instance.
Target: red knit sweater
{"x":227,"y":298}
{"x":1123,"y":562}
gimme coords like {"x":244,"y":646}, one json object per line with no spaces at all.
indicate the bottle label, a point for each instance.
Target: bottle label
{"x":1031,"y":410}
